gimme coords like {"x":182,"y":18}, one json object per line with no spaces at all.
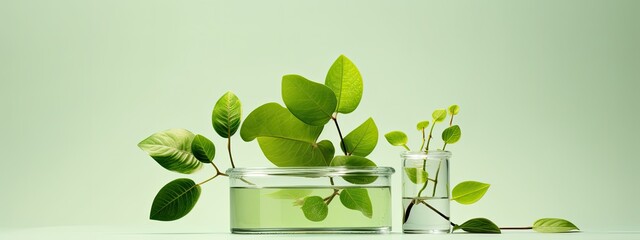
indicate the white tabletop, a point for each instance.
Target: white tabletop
{"x":112,"y":232}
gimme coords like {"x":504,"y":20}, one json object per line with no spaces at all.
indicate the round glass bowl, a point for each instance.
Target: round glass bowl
{"x":310,"y":200}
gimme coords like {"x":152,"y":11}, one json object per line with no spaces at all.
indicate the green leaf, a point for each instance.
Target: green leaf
{"x":226,"y":115}
{"x":203,"y":149}
{"x":439,"y":115}
{"x":311,"y":102}
{"x":396,"y":138}
{"x":284,"y":139}
{"x":362,"y":140}
{"x":352,"y":161}
{"x":273,"y":120}
{"x":469,"y":192}
{"x":479,"y":225}
{"x":416,"y":175}
{"x":553,"y":225}
{"x":357,"y":199}
{"x":422,"y":125}
{"x":328,"y":151}
{"x":454,"y":109}
{"x":346,"y":82}
{"x":175,"y":200}
{"x":451,"y":134}
{"x":290,"y":194}
{"x":172,"y":150}
{"x":315,"y":209}
{"x":355,"y":161}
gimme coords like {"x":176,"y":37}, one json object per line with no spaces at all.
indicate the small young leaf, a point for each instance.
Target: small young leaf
{"x":479,"y":225}
{"x":362,"y":140}
{"x":553,"y":225}
{"x":226,"y":115}
{"x":357,"y":199}
{"x":355,"y":161}
{"x":290,"y":194}
{"x":396,"y":138}
{"x":422,"y":125}
{"x":416,"y":175}
{"x":454,"y":109}
{"x":203,"y":149}
{"x":315,"y":209}
{"x":451,"y":134}
{"x":439,"y":115}
{"x":175,"y":200}
{"x":311,"y":102}
{"x":172,"y":150}
{"x":469,"y":192}
{"x":346,"y":82}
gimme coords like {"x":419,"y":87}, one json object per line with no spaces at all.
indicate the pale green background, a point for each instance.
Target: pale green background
{"x":548,"y":92}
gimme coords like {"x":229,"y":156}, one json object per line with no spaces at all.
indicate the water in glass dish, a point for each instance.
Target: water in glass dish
{"x":278,"y":210}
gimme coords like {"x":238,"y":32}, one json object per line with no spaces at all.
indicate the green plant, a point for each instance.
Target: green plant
{"x":180,"y":150}
{"x":467,"y":192}
{"x":288,"y":137}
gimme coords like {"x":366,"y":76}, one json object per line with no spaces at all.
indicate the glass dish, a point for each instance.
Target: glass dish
{"x":310,"y":200}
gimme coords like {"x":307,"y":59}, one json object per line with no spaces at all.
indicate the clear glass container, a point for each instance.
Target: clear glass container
{"x":310,"y":200}
{"x":425,"y":192}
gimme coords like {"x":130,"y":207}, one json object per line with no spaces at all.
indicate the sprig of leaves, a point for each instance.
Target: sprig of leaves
{"x":450,"y":135}
{"x":467,"y":192}
{"x":181,"y":151}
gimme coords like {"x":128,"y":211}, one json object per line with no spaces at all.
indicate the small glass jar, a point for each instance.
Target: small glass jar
{"x":310,"y":200}
{"x":425,"y":192}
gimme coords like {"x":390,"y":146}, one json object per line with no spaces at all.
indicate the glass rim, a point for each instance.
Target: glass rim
{"x":338,"y":171}
{"x":427,"y":154}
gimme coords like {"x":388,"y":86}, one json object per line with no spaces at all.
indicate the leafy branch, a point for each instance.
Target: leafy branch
{"x":181,"y":151}
{"x":467,"y":192}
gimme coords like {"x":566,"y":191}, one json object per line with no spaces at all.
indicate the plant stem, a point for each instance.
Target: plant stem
{"x":444,"y":147}
{"x":217,"y":170}
{"x":211,"y":178}
{"x":344,"y":147}
{"x":451,"y":121}
{"x":219,"y":173}
{"x":430,"y":135}
{"x":435,"y":182}
{"x":229,"y":150}
{"x":333,"y":195}
{"x":439,"y":213}
{"x":423,"y":187}
{"x":405,"y":147}
{"x":516,"y":228}
{"x":423,"y":140}
{"x":408,"y":211}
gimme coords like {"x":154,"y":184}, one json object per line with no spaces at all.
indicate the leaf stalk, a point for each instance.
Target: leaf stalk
{"x":344,"y":146}
{"x":229,"y":150}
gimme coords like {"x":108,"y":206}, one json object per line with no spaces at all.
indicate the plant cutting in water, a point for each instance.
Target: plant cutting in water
{"x":467,"y":192}
{"x":288,"y":137}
